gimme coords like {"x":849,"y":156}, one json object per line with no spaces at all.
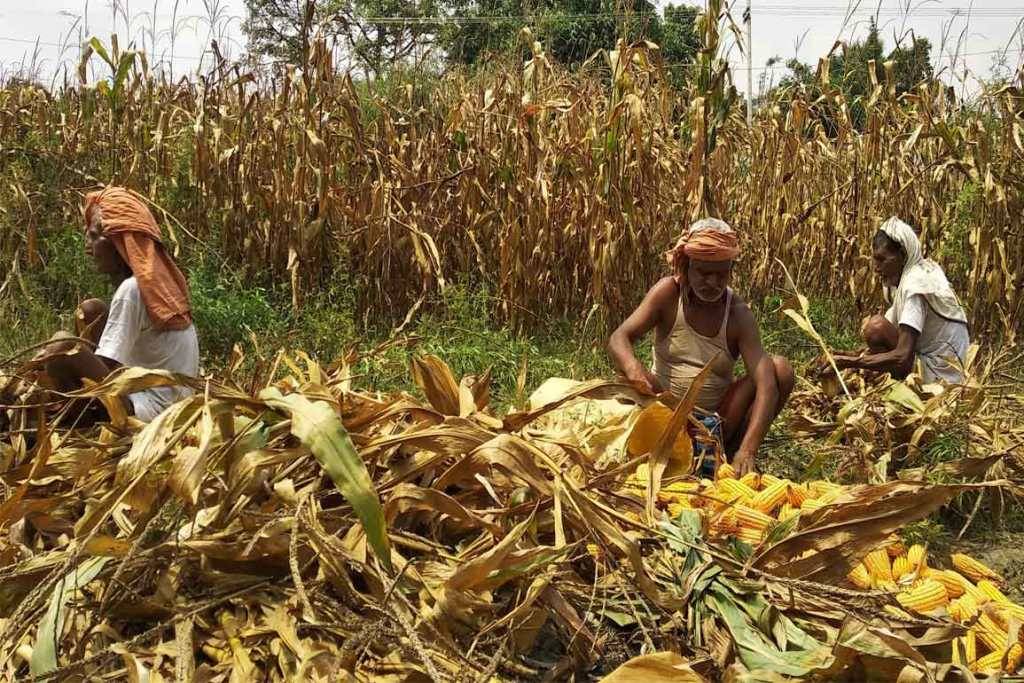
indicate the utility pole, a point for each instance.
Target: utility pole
{"x":750,"y":69}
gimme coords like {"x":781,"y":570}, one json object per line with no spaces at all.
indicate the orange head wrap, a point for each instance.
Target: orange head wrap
{"x":709,"y":239}
{"x":128,"y":223}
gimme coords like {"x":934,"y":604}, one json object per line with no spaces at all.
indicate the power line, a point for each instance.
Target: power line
{"x":69,"y":46}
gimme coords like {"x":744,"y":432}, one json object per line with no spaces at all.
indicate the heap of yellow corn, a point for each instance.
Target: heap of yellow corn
{"x":747,"y":507}
{"x":969,"y":594}
{"x":744,"y":507}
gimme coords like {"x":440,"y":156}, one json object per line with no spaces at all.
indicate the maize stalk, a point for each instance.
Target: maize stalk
{"x":877,"y":562}
{"x":859,"y":577}
{"x":927,"y":597}
{"x":973,"y":569}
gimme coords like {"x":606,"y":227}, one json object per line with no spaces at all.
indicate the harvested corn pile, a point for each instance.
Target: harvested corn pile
{"x":305,"y":530}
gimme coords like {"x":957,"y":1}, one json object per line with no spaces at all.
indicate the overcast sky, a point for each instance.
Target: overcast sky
{"x":784,"y":28}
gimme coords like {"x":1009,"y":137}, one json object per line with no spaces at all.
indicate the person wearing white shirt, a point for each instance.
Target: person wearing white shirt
{"x":925,"y":324}
{"x":148,"y":323}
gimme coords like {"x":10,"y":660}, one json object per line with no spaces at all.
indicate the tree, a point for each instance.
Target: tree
{"x":279,"y":28}
{"x":571,"y":30}
{"x":850,"y":70}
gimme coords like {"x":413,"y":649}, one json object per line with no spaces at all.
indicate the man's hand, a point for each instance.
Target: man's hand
{"x":844,"y":361}
{"x":743,"y":462}
{"x":645,"y":381}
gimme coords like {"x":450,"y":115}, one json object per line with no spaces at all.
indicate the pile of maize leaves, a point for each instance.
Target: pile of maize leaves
{"x":883,"y":424}
{"x":309,"y":531}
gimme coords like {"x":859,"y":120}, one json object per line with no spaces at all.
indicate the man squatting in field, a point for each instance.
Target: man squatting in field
{"x":149,"y":321}
{"x":925,"y":320}
{"x":698,"y":320}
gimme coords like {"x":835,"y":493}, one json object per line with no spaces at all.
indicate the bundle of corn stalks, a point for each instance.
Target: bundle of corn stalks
{"x":305,"y":530}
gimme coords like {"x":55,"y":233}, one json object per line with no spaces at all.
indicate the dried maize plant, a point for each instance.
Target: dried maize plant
{"x":560,"y":190}
{"x":304,"y":528}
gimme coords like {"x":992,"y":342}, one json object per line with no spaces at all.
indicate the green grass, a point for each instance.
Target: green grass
{"x":460,"y":325}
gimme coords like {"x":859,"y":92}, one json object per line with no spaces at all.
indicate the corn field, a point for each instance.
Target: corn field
{"x":559,"y":190}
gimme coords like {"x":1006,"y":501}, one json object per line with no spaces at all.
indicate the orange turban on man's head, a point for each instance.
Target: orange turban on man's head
{"x":709,"y":239}
{"x":128,"y":223}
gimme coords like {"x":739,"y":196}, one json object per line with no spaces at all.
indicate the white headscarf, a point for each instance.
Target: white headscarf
{"x":920,"y":276}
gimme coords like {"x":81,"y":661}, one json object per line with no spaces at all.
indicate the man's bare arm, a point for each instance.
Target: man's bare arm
{"x":641,"y":321}
{"x":766,"y":389}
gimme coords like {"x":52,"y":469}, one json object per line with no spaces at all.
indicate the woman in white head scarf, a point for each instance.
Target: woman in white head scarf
{"x":925,"y":321}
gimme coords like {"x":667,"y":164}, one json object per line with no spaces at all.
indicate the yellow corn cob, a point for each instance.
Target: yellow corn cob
{"x":859,"y":577}
{"x":958,"y":646}
{"x":736,"y":489}
{"x":916,"y":557}
{"x":963,"y":609}
{"x":929,"y":596}
{"x":976,"y":593}
{"x":877,"y":562}
{"x":897,"y":612}
{"x":675,"y":508}
{"x":953,"y":582}
{"x":787,"y":511}
{"x":993,"y":592}
{"x":829,"y":496}
{"x":770,"y":480}
{"x":970,"y":646}
{"x":725,"y":471}
{"x":681,"y":487}
{"x":751,"y":518}
{"x":770,"y":497}
{"x":725,"y":523}
{"x":972,"y":569}
{"x":811,"y":504}
{"x":887,"y":585}
{"x":901,"y":567}
{"x":752,"y":479}
{"x":990,"y":633}
{"x":750,"y":535}
{"x":993,"y":661}
{"x":820,"y":488}
{"x":896,"y":549}
{"x":796,"y":494}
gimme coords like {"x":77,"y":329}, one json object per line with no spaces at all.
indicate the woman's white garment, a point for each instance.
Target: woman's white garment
{"x":938,"y":341}
{"x":130,"y":339}
{"x":924,"y":301}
